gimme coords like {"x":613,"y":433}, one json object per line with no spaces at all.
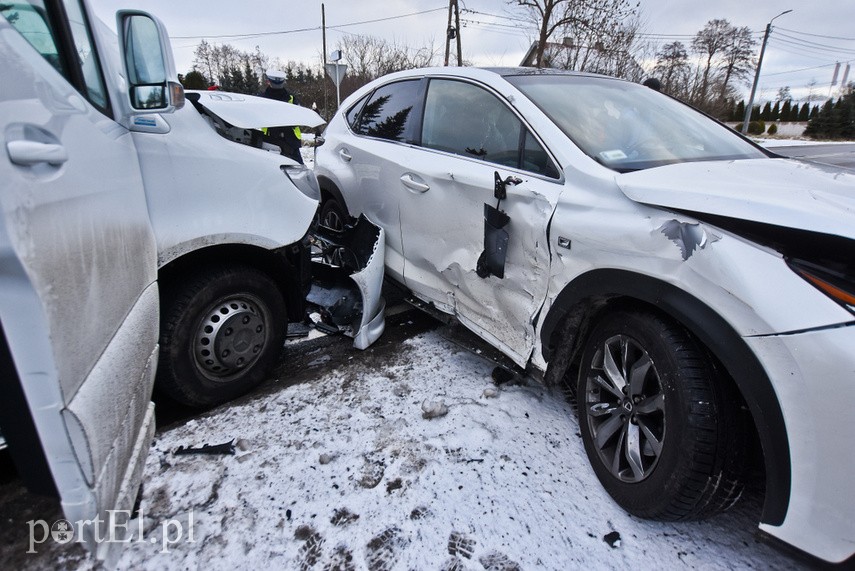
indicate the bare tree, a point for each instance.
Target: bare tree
{"x":738,"y":61}
{"x":369,"y":57}
{"x":597,"y":35}
{"x":673,"y":69}
{"x":547,"y":16}
{"x":710,"y":42}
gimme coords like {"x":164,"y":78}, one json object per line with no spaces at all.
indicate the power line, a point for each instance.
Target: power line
{"x":818,"y":35}
{"x":299,"y":30}
{"x":798,"y":70}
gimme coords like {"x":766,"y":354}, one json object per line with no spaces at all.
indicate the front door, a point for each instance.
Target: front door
{"x":468,"y":135}
{"x":78,"y":296}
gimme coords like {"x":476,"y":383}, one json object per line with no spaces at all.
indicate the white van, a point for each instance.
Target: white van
{"x":137,"y":236}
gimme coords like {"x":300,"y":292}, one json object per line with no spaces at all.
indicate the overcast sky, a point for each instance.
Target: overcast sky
{"x":804,"y":45}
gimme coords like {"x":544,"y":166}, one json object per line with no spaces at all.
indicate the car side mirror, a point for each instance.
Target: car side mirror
{"x":147,"y":56}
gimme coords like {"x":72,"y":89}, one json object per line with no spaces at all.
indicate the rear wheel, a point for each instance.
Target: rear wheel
{"x":663,"y":431}
{"x":221,"y":333}
{"x":333,"y":214}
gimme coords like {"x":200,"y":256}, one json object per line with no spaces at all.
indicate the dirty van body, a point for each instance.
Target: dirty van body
{"x":693,"y":291}
{"x":138,"y":240}
{"x":78,"y":265}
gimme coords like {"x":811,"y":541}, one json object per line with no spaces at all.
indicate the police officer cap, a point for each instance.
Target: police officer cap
{"x":276,"y":77}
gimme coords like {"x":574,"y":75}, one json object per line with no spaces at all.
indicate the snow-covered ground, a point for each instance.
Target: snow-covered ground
{"x":344,"y":471}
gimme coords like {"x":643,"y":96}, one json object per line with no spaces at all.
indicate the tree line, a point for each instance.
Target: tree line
{"x":597,"y":36}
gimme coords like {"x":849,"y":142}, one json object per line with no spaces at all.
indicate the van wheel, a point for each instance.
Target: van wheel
{"x":663,"y":431}
{"x":221,"y":333}
{"x":333,"y":215}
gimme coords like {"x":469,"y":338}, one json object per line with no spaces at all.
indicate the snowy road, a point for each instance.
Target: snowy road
{"x":337,"y":468}
{"x":343,"y":471}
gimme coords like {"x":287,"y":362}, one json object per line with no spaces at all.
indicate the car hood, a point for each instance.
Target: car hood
{"x":251,"y":112}
{"x":781,"y":192}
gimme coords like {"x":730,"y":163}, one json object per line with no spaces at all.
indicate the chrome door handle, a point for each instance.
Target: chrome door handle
{"x":412,"y":184}
{"x":28,"y":153}
{"x":345,"y":155}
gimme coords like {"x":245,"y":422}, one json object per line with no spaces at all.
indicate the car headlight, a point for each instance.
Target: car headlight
{"x":835,"y":284}
{"x":304,"y":179}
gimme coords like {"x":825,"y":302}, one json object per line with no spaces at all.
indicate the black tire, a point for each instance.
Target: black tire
{"x":333,"y":215}
{"x":221,"y":332}
{"x":673,"y":446}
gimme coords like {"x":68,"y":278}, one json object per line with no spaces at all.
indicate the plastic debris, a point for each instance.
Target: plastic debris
{"x":224,"y":448}
{"x":613,"y":539}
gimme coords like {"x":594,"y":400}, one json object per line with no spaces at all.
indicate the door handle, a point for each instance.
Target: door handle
{"x":28,"y":153}
{"x":413,"y":184}
{"x":345,"y":155}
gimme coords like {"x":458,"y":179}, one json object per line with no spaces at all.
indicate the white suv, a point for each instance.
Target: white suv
{"x":696,"y":291}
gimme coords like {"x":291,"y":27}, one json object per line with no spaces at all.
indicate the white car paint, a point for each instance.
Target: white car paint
{"x":640,"y":223}
{"x":252,"y":112}
{"x":783,"y":192}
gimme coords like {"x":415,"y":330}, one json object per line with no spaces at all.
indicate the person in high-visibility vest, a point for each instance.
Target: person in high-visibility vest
{"x":288,"y":139}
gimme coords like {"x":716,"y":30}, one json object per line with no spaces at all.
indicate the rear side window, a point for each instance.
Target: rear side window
{"x":353,"y":114}
{"x":388,"y":114}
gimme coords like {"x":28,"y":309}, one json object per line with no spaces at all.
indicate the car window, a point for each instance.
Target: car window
{"x":87,"y":57}
{"x":31,"y":20}
{"x":388,"y":114}
{"x":467,"y":120}
{"x":536,"y":159}
{"x":626,"y":126}
{"x":353,"y":114}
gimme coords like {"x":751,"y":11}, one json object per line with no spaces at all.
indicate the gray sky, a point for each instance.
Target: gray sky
{"x":804,"y":46}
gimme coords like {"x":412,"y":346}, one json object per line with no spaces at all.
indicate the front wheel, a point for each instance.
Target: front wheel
{"x":220,"y":334}
{"x":663,"y":431}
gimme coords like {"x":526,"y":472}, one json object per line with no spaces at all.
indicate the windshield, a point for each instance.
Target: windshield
{"x":629,"y":127}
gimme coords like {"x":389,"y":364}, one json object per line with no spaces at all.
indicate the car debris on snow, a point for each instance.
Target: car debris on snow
{"x":433,"y":409}
{"x":227,"y":448}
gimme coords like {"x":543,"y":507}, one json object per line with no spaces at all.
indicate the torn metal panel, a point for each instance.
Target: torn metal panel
{"x":347,"y":279}
{"x":687,"y":236}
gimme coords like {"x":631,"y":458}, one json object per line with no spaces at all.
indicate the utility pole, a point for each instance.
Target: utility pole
{"x":452,"y":32}
{"x":750,"y":107}
{"x":324,"y":33}
{"x":457,"y":29}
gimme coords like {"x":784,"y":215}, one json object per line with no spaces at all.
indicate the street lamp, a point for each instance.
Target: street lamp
{"x":750,"y":106}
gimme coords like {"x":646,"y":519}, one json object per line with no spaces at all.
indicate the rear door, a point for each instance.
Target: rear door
{"x":78,"y":297}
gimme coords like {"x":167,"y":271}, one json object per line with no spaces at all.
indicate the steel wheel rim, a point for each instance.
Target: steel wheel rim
{"x":625,"y":409}
{"x":231,"y":336}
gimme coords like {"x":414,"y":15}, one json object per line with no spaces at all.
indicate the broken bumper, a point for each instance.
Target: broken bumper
{"x":347,"y":272}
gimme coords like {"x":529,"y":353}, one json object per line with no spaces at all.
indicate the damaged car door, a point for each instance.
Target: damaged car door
{"x":471,"y":170}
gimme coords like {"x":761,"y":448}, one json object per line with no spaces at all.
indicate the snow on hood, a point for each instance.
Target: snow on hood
{"x":251,"y":112}
{"x":782,"y":192}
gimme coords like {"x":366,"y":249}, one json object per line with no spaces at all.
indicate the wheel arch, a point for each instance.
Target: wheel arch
{"x":578,"y":304}
{"x":330,"y":190}
{"x":284,"y":265}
